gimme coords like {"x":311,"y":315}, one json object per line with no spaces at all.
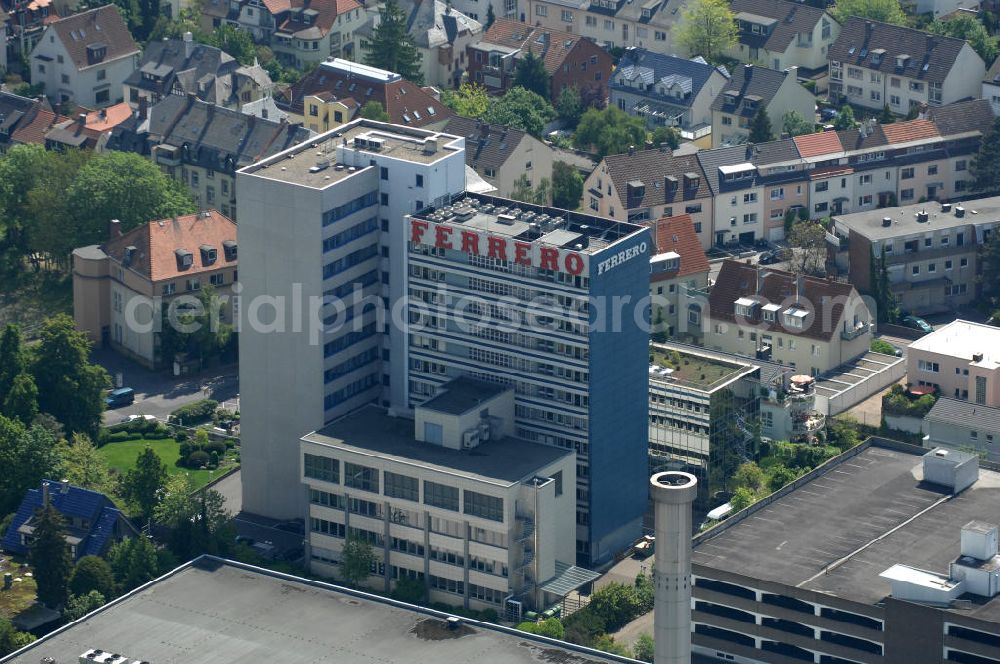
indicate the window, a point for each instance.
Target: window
{"x":168,"y":289}
{"x":822,"y":186}
{"x":541,"y":10}
{"x":963,"y":262}
{"x":727,"y":120}
{"x":865,"y":179}
{"x":384,"y":173}
{"x":931,"y":367}
{"x":321,"y":468}
{"x":777,"y":194}
{"x":981,"y":389}
{"x":947,"y":265}
{"x":102,"y":96}
{"x":420,"y":180}
{"x":325,"y":499}
{"x":193,"y":284}
{"x":401,"y":486}
{"x":567,"y":16}
{"x":361,"y":477}
{"x":41,"y":68}
{"x":934,"y":93}
{"x":590,"y":21}
{"x":313,"y":110}
{"x":906,"y":173}
{"x":906,"y":194}
{"x":660,"y":36}
{"x":876,"y":95}
{"x":916,"y":269}
{"x":932,"y":170}
{"x":217,"y":279}
{"x":441,"y":495}
{"x":895,"y":100}
{"x":489,"y":172}
{"x":482,"y":505}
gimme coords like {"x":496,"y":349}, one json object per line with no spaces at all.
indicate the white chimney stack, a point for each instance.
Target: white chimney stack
{"x":673,"y":494}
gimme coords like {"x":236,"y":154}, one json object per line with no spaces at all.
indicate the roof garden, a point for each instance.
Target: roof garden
{"x":696,"y":370}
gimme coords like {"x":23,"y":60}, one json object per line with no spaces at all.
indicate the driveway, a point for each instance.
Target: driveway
{"x":158,"y":393}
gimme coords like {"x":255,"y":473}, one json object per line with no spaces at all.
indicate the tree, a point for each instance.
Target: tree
{"x":134,"y":562}
{"x":760,"y":127}
{"x":986,"y":165}
{"x":525,"y":192}
{"x":356,"y":560}
{"x":742,"y":498}
{"x":643,"y":648}
{"x":522,"y":109}
{"x":808,"y":240}
{"x":780,"y":476}
{"x":609,"y":131}
{"x":200,"y":332}
{"x":887,"y":309}
{"x":530,"y":74}
{"x":569,"y":105}
{"x":749,"y":475}
{"x":491,"y":17}
{"x":706,"y":28}
{"x":551,"y":627}
{"x":80,"y":605}
{"x":123,"y":186}
{"x":885,"y":11}
{"x":666,"y":135}
{"x":971,"y":29}
{"x":409,"y":590}
{"x":794,"y":124}
{"x":373,"y":110}
{"x":92,"y":573}
{"x":27,"y":456}
{"x":199,"y":521}
{"x":237,"y":43}
{"x":845,"y":118}
{"x":567,"y":186}
{"x":84,"y":466}
{"x":69,"y":387}
{"x":843,"y":433}
{"x":990,"y":262}
{"x":607,"y":643}
{"x":616,"y":604}
{"x":887,"y":116}
{"x":469,"y":101}
{"x":11,"y":639}
{"x":391,"y":46}
{"x":13,"y":360}
{"x":50,"y":557}
{"x":22,"y":399}
{"x":143,"y":484}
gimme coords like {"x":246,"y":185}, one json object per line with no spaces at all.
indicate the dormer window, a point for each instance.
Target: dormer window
{"x":185,"y":259}
{"x":229,"y":249}
{"x":877,"y":56}
{"x":770,"y":312}
{"x":794,"y":318}
{"x":209,"y":254}
{"x":744,"y":307}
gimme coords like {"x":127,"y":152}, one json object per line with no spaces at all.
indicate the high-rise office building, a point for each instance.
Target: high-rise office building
{"x":548,"y":302}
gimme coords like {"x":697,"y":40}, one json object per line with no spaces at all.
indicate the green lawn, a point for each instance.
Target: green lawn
{"x":121,"y":457}
{"x":21,"y":596}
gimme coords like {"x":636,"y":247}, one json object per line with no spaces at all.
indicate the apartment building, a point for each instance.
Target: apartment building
{"x":676,"y":272}
{"x":640,"y":186}
{"x":85,"y":58}
{"x":610,"y":23}
{"x":450,"y":498}
{"x":811,"y":324}
{"x":750,"y":89}
{"x":570,"y":60}
{"x":875,"y":65}
{"x":738,"y":211}
{"x":333,"y":93}
{"x":991,"y":86}
{"x":21,"y":27}
{"x":668,"y":91}
{"x":780,"y":34}
{"x":118,"y":285}
{"x":576,"y":383}
{"x":785,"y":180}
{"x":930,"y":250}
{"x":961,"y":360}
{"x":963,"y":425}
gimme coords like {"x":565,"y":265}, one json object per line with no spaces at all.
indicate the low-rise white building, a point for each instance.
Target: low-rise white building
{"x":449,"y":498}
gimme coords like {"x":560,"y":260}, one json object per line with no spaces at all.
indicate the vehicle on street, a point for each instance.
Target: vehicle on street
{"x":916,"y":323}
{"x":123,"y":396}
{"x":828,"y":114}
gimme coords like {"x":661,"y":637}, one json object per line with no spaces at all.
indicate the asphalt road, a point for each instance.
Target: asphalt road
{"x":158,"y":393}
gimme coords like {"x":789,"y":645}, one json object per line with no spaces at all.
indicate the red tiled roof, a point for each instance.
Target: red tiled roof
{"x":156,"y":242}
{"x":507,"y":32}
{"x":113,"y":116}
{"x":277,"y":6}
{"x":677,"y":234}
{"x":814,"y":145}
{"x":913,"y":130}
{"x":34,"y":132}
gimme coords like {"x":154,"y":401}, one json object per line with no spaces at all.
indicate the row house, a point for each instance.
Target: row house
{"x":21,"y":26}
{"x":611,"y":23}
{"x":786,"y":188}
{"x":876,"y":64}
{"x":750,"y":89}
{"x":640,"y":186}
{"x":780,"y":34}
{"x":478,"y":10}
{"x":570,"y":60}
{"x":991,"y":86}
{"x":739,"y":194}
{"x":678,"y":269}
{"x":442,"y":35}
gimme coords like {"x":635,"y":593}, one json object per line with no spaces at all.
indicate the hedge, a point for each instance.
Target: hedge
{"x":198,"y":411}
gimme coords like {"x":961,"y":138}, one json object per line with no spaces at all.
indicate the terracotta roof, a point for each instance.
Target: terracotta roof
{"x":95,"y":28}
{"x":815,"y":145}
{"x":652,"y":168}
{"x":555,"y":44}
{"x":33,"y":132}
{"x":157,"y":241}
{"x":677,"y":234}
{"x":277,"y":6}
{"x":912,"y":130}
{"x":792,"y":19}
{"x":738,"y":280}
{"x":109,"y":118}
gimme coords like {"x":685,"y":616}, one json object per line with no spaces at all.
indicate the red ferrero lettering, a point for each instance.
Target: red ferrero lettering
{"x":574,"y":264}
{"x":417,"y":228}
{"x":522,"y":253}
{"x":442,"y":235}
{"x":549,"y":258}
{"x":470,"y":242}
{"x":497,"y":247}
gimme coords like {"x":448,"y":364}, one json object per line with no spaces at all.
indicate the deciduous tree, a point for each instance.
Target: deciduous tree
{"x":986,"y":165}
{"x":971,"y":29}
{"x":84,"y":466}
{"x":808,"y":239}
{"x":21,"y":402}
{"x":27,"y":455}
{"x":885,"y":11}
{"x":469,"y":101}
{"x":609,"y":131}
{"x":143,"y":484}
{"x":522,"y":109}
{"x":530,"y":74}
{"x":526,"y":192}
{"x":92,"y":573}
{"x":667,"y":135}
{"x":845,"y":118}
{"x":356,"y":560}
{"x":50,"y":557}
{"x":569,"y":105}
{"x":77,"y":606}
{"x":749,"y":475}
{"x":11,"y":639}
{"x":643,"y":648}
{"x":391,"y":46}
{"x":706,"y":28}
{"x":373,"y":110}
{"x":742,"y":498}
{"x":794,"y":124}
{"x":13,"y":359}
{"x":237,"y":43}
{"x":134,"y":562}
{"x":567,"y":186}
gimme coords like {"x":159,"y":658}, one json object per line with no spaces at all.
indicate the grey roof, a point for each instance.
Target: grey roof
{"x":965,"y":414}
{"x":461,"y":395}
{"x":486,"y":145}
{"x":866,"y":510}
{"x":371,"y":430}
{"x":711,"y":160}
{"x":792,"y":18}
{"x":774,"y":152}
{"x":905,"y":221}
{"x":100,"y":28}
{"x":749,"y":81}
{"x":568,"y":578}
{"x":655,"y":69}
{"x":931,"y":56}
{"x":12,"y":109}
{"x":962,"y":116}
{"x":212,"y":611}
{"x":651,"y":167}
{"x":432,"y":24}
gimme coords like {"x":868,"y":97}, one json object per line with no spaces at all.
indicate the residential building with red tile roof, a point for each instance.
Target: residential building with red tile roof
{"x":90,"y":130}
{"x":569,"y":59}
{"x":85,"y":58}
{"x":118,"y":286}
{"x":677,"y":267}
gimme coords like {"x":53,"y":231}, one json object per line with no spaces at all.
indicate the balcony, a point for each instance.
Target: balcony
{"x":856,"y":331}
{"x":810,"y":424}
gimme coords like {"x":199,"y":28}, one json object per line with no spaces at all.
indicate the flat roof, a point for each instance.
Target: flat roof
{"x":837,"y":533}
{"x":462,"y":395}
{"x":212,"y":611}
{"x":330,"y":157}
{"x":699,"y":371}
{"x":904,"y":219}
{"x":964,"y":339}
{"x":370,"y":430}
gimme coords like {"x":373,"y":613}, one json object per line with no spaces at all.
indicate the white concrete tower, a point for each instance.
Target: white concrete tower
{"x":673,"y":494}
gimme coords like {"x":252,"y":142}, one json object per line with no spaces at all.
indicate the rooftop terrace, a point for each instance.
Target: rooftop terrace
{"x":908,"y":219}
{"x":699,"y":371}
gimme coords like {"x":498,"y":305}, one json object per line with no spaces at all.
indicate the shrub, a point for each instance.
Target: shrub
{"x":180,"y":436}
{"x":551,"y":628}
{"x":583,"y":627}
{"x":92,"y":573}
{"x":616,"y":604}
{"x":409,"y":590}
{"x":884,"y":347}
{"x":198,"y":459}
{"x":186,"y":449}
{"x":198,"y":411}
{"x":216,"y":447}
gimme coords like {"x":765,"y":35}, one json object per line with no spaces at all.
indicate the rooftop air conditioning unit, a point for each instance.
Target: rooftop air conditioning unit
{"x":470,"y":439}
{"x":376,"y":144}
{"x":484,"y":430}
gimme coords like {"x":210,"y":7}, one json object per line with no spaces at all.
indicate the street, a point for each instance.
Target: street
{"x":158,"y":393}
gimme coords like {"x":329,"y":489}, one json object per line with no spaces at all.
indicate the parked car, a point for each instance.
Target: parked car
{"x":828,"y":114}
{"x":769,"y":258}
{"x":123,"y":396}
{"x":916,"y":323}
